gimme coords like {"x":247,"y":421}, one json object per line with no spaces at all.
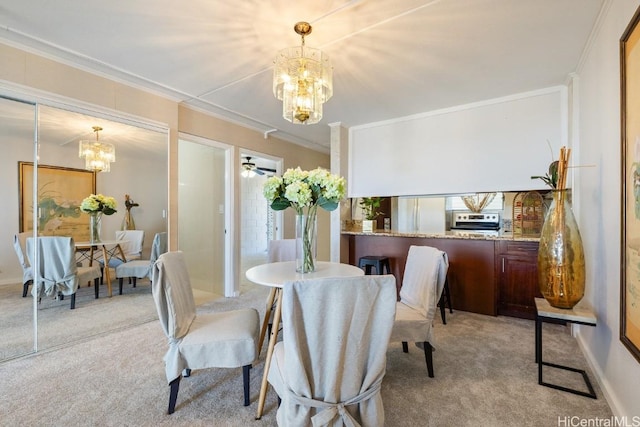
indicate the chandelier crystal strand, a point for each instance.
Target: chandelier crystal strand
{"x":302,"y":80}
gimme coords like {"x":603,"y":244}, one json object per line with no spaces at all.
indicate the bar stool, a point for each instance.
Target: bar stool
{"x":379,"y":262}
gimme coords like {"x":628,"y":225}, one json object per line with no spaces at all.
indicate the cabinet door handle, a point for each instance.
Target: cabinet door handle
{"x":503,"y":264}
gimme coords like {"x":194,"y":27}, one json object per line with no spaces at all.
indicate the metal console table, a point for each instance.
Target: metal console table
{"x":581,"y":315}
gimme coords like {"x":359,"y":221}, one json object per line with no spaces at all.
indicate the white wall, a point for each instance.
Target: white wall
{"x":491,"y":146}
{"x":145,"y":180}
{"x":19,"y":149}
{"x":255,"y":216}
{"x":598,"y":191}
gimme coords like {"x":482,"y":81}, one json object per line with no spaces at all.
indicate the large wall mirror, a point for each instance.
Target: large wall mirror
{"x":17,"y":140}
{"x":140,"y":171}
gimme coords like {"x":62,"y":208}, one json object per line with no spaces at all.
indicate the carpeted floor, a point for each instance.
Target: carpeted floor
{"x":58,"y":325}
{"x":485,"y":375}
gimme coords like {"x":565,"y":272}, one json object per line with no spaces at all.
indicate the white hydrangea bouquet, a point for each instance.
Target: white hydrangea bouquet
{"x":99,"y":203}
{"x":96,"y":205}
{"x":305,"y":191}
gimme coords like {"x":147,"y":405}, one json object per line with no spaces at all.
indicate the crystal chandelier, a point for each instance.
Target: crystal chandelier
{"x":302,"y":80}
{"x":98,"y":155}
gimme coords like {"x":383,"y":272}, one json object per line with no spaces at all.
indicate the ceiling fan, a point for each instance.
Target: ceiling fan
{"x":249,"y":168}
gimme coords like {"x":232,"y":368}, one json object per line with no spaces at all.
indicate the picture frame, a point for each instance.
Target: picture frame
{"x":60,"y":193}
{"x":630,"y":200}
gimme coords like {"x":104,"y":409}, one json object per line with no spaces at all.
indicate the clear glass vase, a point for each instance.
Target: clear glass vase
{"x":95,"y":224}
{"x":306,"y":241}
{"x":561,"y":266}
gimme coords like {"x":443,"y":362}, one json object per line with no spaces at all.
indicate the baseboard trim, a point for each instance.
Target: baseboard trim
{"x":604,"y":385}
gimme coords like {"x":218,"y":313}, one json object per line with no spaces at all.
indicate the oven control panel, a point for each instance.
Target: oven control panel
{"x":463,"y":217}
{"x":476,"y":221}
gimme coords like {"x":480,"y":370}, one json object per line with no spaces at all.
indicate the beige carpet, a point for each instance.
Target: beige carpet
{"x":58,"y":325}
{"x":484,"y":367}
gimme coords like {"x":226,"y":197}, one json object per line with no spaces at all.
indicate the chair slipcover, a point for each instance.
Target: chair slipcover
{"x":213,"y":340}
{"x":20,"y":245}
{"x":330,"y":364}
{"x":141,"y":268}
{"x":424,"y":276}
{"x":132,"y":241}
{"x":58,"y":272}
{"x":281,"y":250}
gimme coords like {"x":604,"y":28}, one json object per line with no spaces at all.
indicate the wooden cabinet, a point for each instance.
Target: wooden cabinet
{"x":494,"y":277}
{"x":517,"y":277}
{"x":471,"y":266}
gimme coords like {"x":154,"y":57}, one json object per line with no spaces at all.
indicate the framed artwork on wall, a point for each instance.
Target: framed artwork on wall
{"x":630,"y":167}
{"x":60,"y":192}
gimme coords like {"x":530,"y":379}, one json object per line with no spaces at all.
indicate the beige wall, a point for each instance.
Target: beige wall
{"x":197,"y":123}
{"x":38,"y":78}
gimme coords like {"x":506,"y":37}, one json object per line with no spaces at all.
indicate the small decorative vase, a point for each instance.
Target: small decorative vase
{"x":95,"y":223}
{"x":561,"y":266}
{"x":368,"y":226}
{"x":306,"y":241}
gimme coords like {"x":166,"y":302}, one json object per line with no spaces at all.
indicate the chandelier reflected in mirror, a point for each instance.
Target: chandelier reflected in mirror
{"x":302,"y":80}
{"x":98,"y":155}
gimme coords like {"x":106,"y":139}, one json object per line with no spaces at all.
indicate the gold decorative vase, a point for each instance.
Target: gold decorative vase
{"x":561,"y":265}
{"x":127,"y":222}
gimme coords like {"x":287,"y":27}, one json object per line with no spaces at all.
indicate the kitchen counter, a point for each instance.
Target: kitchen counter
{"x":478,"y":266}
{"x":446,"y":235}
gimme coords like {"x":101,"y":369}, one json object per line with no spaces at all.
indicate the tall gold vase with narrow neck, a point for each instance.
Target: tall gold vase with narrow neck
{"x":561,"y":266}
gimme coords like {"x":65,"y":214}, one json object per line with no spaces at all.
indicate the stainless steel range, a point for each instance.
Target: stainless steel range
{"x":485,"y":223}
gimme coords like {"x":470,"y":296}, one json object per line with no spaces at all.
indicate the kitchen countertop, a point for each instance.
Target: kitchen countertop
{"x":446,"y":235}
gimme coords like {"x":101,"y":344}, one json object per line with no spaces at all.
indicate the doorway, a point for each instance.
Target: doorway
{"x":203,"y":206}
{"x":259,"y":223}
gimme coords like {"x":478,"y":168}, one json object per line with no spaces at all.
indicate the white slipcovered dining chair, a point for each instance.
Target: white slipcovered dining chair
{"x":58,"y":273}
{"x":329,"y":366}
{"x":141,"y":268}
{"x":425,"y":273}
{"x":131,"y":242}
{"x":213,"y":340}
{"x":281,"y":250}
{"x":20,"y":246}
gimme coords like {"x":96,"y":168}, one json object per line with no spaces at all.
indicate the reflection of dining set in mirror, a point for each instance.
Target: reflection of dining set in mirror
{"x":69,"y":253}
{"x":65,"y":265}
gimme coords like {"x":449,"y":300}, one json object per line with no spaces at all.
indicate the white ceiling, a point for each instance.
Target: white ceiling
{"x":390,"y":58}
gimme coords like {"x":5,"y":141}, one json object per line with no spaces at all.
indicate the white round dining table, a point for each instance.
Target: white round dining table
{"x":275,"y":274}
